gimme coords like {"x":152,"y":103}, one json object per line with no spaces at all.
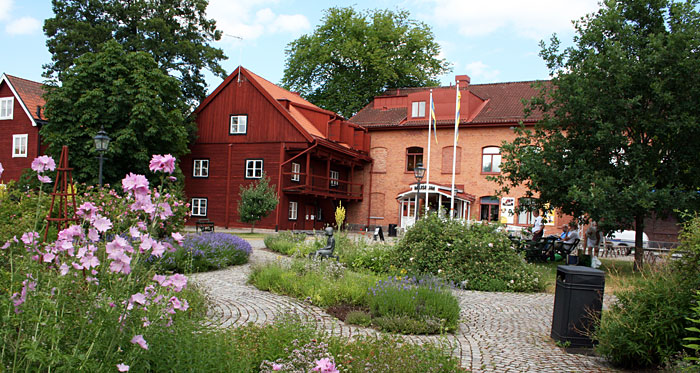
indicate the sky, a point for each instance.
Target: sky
{"x":491,"y":41}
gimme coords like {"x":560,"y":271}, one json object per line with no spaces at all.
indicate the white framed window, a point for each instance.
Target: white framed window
{"x":293,"y":210}
{"x":200,"y":168}
{"x":335,"y":175}
{"x":296,"y":170}
{"x":239,"y":124}
{"x":253,"y":168}
{"x":491,"y":160}
{"x":6,"y":107}
{"x":418,"y":109}
{"x":19,"y":145}
{"x":199,"y":206}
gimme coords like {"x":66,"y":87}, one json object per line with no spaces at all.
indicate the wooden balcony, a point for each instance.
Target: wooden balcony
{"x":320,"y":186}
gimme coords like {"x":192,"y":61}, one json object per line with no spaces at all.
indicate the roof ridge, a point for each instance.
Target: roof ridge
{"x":25,"y":79}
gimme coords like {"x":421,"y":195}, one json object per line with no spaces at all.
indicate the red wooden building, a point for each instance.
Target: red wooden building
{"x":249,"y":126}
{"x":21,"y":106}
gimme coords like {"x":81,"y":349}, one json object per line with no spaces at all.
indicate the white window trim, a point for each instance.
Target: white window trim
{"x":198,"y":202}
{"x":241,"y":122}
{"x":293,"y":210}
{"x":418,"y":109}
{"x":250,"y":164}
{"x":26,"y":145}
{"x":9,"y":104}
{"x":201,"y":165}
{"x":334,"y":176}
{"x":296,"y":169}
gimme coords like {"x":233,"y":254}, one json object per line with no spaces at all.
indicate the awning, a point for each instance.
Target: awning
{"x":445,"y":191}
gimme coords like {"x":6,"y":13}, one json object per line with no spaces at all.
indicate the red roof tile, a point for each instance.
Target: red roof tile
{"x":501,"y":103}
{"x":30,"y":93}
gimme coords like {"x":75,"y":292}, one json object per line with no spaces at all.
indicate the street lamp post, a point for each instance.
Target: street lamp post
{"x":418,"y":172}
{"x":101,"y":144}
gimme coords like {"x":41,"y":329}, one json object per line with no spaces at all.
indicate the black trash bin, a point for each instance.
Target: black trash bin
{"x":578,"y":301}
{"x":392,"y":230}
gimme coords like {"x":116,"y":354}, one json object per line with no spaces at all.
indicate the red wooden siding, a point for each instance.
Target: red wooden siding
{"x":265,"y":122}
{"x":18,"y":125}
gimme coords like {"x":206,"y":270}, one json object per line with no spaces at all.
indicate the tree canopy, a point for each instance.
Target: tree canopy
{"x":353,"y":56}
{"x":258,"y":199}
{"x":174,"y":32}
{"x":620,"y":136}
{"x":138,"y":105}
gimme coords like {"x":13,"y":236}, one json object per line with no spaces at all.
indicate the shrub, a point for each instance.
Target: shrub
{"x":694,"y":341}
{"x":204,"y":252}
{"x":375,"y":257}
{"x":426,"y":301}
{"x":360,"y":318}
{"x":478,"y":256}
{"x":320,"y":282}
{"x":648,"y":323}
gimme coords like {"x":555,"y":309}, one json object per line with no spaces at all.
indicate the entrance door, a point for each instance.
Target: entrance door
{"x":309,"y":217}
{"x":408,"y":213}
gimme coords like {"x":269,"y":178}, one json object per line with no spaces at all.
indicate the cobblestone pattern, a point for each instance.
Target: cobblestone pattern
{"x":499,"y":332}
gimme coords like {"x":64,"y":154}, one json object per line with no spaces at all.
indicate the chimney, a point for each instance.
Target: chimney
{"x":463,"y":81}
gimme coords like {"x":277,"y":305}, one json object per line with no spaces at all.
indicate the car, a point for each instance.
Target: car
{"x":626,"y":240}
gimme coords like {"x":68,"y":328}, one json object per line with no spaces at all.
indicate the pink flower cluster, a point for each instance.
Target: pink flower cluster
{"x":164,"y":163}
{"x":19,"y":298}
{"x":136,"y":186}
{"x":325,"y":365}
{"x":41,"y":164}
{"x":1,"y":169}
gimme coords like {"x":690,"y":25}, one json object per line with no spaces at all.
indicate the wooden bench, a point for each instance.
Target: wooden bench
{"x":204,"y":225}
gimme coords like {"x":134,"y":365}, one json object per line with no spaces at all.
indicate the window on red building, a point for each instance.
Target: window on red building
{"x":491,"y":159}
{"x":414,"y":155}
{"x":489,"y":208}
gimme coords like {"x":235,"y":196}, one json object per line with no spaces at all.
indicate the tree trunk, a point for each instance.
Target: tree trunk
{"x":639,"y":242}
{"x":252,"y":227}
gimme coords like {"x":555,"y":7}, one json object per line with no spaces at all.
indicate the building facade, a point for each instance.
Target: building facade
{"x":249,"y":127}
{"x":398,"y":124}
{"x":21,"y":105}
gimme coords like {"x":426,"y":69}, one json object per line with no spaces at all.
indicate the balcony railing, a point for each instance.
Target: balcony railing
{"x":321,"y":186}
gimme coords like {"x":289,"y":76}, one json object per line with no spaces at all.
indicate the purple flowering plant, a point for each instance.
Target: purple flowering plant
{"x":88,"y":290}
{"x":205,"y":251}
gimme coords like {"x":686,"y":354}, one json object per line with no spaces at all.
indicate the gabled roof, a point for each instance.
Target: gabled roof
{"x":502,"y":103}
{"x":293,"y":111}
{"x":29,"y":93}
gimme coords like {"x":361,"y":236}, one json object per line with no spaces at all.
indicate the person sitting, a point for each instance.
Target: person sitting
{"x":327,"y":251}
{"x":568,"y":236}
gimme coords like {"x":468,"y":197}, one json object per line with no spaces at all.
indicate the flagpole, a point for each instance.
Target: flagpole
{"x":427,"y":176}
{"x":454,"y":152}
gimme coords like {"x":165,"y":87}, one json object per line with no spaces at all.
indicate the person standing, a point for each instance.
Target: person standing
{"x":593,"y":236}
{"x":537,"y":227}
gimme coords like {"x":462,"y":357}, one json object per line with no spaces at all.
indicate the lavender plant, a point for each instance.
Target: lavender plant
{"x":204,"y":252}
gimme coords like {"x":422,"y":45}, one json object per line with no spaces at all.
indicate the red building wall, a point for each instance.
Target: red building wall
{"x":20,"y":124}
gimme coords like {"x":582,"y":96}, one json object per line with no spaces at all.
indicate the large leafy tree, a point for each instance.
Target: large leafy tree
{"x":620,"y":136}
{"x":138,"y":105}
{"x":352,"y":57}
{"x":174,"y":32}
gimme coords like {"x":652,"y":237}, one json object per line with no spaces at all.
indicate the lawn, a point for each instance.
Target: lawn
{"x":619,"y":274}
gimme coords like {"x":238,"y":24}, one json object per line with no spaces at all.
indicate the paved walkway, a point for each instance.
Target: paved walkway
{"x":499,"y":332}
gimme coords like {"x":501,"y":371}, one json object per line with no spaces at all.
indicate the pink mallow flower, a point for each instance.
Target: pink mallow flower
{"x":43,"y":163}
{"x":102,"y":224}
{"x":30,"y":238}
{"x":44,"y":179}
{"x":138,"y":339}
{"x":87,"y":210}
{"x":276,"y":366}
{"x":1,"y":169}
{"x":177,"y":281}
{"x":122,"y":367}
{"x":325,"y":365}
{"x":165,"y":163}
{"x":177,"y":237}
{"x":135,"y":183}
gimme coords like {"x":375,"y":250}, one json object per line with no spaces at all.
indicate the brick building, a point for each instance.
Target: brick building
{"x":398,"y":125}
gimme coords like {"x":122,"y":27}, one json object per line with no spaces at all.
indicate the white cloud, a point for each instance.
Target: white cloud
{"x":5,"y":8}
{"x":535,"y":19}
{"x":23,"y":26}
{"x":252,"y":19}
{"x":480,"y":71}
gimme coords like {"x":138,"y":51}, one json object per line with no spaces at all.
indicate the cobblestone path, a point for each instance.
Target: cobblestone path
{"x":499,"y":332}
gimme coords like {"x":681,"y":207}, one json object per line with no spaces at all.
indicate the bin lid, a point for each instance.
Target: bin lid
{"x":580,"y":275}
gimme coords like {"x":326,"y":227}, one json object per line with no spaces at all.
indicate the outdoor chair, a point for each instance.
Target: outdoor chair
{"x":567,"y":248}
{"x":539,"y":251}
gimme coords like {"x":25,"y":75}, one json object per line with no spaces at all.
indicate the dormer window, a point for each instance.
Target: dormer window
{"x":418,"y":109}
